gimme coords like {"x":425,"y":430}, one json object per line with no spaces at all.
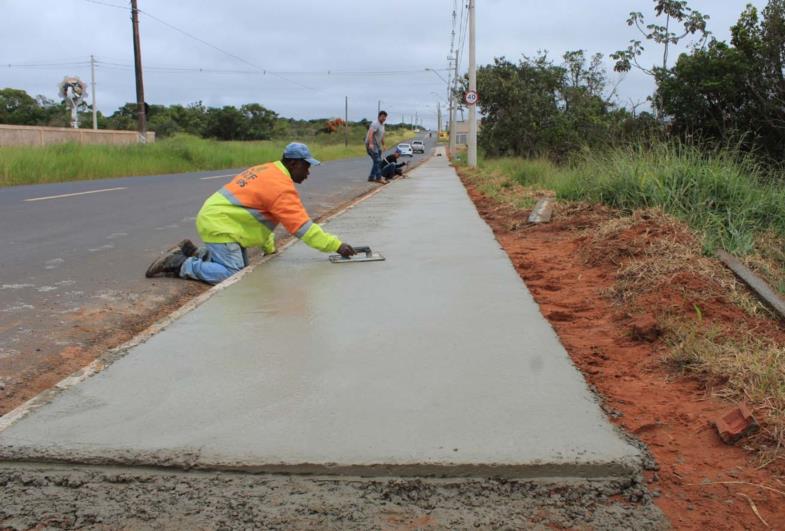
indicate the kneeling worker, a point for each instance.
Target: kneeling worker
{"x":243,"y":214}
{"x":391,"y":168}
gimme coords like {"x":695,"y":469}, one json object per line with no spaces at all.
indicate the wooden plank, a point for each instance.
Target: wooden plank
{"x":759,"y":286}
{"x":542,"y":212}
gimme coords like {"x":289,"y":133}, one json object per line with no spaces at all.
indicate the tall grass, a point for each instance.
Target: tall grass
{"x":725,"y":195}
{"x":181,"y":153}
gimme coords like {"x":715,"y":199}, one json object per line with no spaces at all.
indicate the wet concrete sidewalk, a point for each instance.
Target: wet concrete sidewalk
{"x":434,"y":362}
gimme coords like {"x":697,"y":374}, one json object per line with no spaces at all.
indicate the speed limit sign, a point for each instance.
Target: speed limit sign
{"x":471,"y":97}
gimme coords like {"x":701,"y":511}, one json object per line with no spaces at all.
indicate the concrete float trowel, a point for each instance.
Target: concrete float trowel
{"x":364,"y":254}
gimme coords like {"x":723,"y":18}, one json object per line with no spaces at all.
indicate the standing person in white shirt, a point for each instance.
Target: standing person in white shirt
{"x":374,"y":145}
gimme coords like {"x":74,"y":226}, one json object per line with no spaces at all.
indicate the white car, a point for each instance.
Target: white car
{"x":418,"y":146}
{"x":406,"y":149}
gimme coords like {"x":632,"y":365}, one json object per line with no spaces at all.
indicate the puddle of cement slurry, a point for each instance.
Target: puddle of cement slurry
{"x":436,"y":361}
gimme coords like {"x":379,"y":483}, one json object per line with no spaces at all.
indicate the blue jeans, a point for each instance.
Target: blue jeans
{"x":215,"y":262}
{"x":376,"y":168}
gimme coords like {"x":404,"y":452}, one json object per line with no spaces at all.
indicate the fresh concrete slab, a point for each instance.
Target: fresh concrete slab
{"x":436,"y":361}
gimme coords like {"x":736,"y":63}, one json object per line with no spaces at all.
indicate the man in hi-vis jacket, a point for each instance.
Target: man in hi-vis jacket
{"x":245,"y":213}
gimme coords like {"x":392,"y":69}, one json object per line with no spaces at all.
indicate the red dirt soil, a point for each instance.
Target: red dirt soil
{"x":701,"y":482}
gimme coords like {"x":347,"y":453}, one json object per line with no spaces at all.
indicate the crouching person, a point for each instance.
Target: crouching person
{"x":244,"y":214}
{"x":391,"y":168}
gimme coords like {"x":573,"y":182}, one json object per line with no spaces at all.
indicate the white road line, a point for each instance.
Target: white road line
{"x":216,"y":177}
{"x":77,"y":193}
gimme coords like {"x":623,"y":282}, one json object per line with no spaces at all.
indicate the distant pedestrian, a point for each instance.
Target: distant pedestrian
{"x":374,"y":145}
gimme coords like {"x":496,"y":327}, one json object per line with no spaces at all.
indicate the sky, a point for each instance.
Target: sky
{"x":301,"y":58}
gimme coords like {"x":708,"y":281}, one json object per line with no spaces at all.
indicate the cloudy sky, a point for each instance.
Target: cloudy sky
{"x":314,"y":52}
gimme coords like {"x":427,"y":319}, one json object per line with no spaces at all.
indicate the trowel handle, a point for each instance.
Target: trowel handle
{"x":364,"y":249}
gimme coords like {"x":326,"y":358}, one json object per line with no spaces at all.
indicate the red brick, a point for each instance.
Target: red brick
{"x":736,"y":423}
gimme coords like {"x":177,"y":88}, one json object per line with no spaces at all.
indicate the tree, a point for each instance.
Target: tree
{"x":762,"y":43}
{"x":677,"y":13}
{"x":19,"y":108}
{"x":706,"y":94}
{"x":226,"y":123}
{"x":536,"y":107}
{"x":733,"y":93}
{"x":260,"y":121}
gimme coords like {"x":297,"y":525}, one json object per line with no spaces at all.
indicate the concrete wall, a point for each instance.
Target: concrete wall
{"x":23,"y":135}
{"x":462,"y":132}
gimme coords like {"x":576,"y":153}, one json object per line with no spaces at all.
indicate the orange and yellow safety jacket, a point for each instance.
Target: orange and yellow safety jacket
{"x":250,"y":207}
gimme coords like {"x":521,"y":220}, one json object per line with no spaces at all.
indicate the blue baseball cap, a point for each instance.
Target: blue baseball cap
{"x":296,"y":150}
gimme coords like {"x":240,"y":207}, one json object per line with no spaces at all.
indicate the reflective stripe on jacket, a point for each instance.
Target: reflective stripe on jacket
{"x":249,"y":208}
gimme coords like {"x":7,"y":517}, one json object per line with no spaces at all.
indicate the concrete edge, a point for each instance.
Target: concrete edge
{"x":192,"y":460}
{"x":114,"y":354}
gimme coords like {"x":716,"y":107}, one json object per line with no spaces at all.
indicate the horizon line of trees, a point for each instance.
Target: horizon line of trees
{"x":251,"y":121}
{"x":717,"y":94}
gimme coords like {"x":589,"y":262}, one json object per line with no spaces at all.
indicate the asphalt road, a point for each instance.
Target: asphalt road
{"x":74,"y":256}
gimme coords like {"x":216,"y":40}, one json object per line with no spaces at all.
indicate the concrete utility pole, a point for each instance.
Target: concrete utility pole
{"x":472,"y":158}
{"x":92,"y":82}
{"x":453,"y":57}
{"x":141,"y":115}
{"x":453,"y":105}
{"x":346,"y":124}
{"x":438,"y":117}
{"x":378,"y":107}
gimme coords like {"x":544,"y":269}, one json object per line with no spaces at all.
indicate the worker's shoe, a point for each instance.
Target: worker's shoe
{"x":167,"y":265}
{"x":187,"y":247}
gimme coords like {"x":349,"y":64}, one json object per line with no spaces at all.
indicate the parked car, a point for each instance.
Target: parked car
{"x":418,"y":146}
{"x":406,"y":149}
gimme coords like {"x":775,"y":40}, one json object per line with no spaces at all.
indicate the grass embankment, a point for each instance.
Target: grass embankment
{"x":182,"y":153}
{"x":668,"y":208}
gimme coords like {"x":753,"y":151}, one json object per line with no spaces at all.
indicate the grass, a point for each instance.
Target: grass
{"x":181,"y":153}
{"x":746,"y":368}
{"x":730,"y":200}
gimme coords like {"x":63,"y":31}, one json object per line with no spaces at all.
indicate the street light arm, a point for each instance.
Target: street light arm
{"x":437,"y":75}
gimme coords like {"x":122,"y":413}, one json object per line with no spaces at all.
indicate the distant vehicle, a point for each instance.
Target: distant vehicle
{"x":418,"y":146}
{"x":406,"y":149}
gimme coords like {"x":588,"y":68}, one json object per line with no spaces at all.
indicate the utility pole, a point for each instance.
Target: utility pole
{"x":346,"y":123}
{"x":416,"y":120}
{"x":453,"y":58}
{"x":472,"y":158}
{"x":453,"y":105}
{"x":438,"y":117}
{"x":141,"y":115}
{"x":92,"y":82}
{"x":378,"y":107}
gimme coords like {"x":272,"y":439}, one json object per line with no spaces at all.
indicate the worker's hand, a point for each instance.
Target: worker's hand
{"x":346,"y":250}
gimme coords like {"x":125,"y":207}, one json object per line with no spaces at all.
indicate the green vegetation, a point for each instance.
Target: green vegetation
{"x":251,"y":121}
{"x":181,"y":153}
{"x":724,"y":195}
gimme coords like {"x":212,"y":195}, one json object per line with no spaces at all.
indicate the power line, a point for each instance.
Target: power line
{"x":462,"y":39}
{"x":202,"y":41}
{"x":205,"y":70}
{"x":198,"y":69}
{"x":98,"y":2}
{"x":229,"y":54}
{"x":44,"y":65}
